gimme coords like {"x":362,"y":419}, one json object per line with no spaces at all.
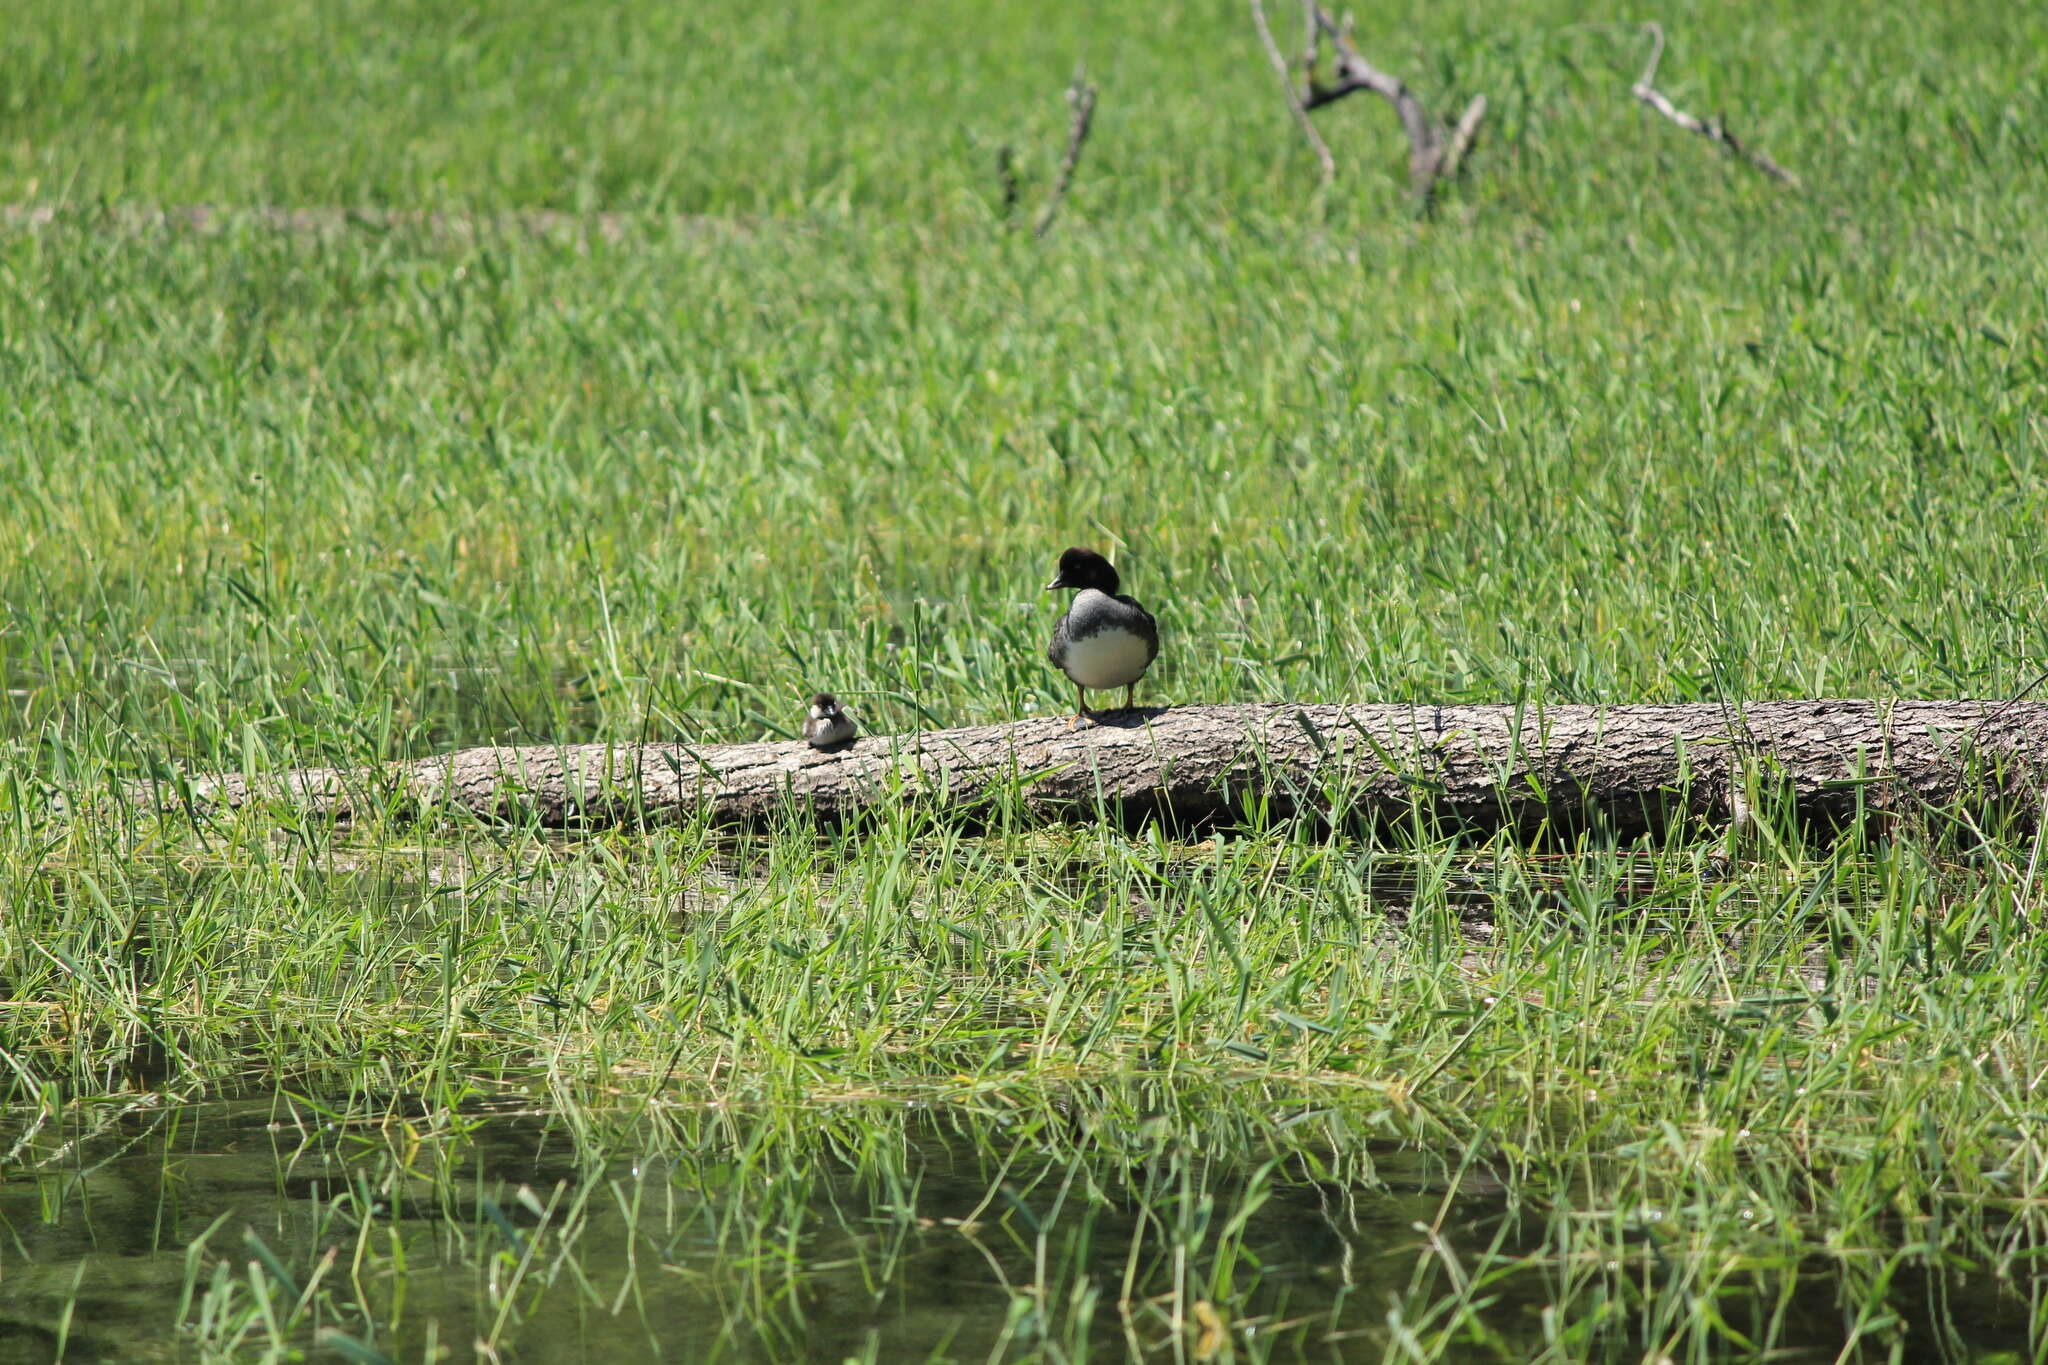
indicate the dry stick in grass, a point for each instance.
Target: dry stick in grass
{"x":1294,"y":104}
{"x":1461,"y":137}
{"x":1713,"y":130}
{"x":1355,"y":73}
{"x":1433,"y":152}
{"x":1006,"y":176}
{"x":1081,"y":97}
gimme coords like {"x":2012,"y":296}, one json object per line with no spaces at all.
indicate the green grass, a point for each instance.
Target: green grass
{"x":1680,"y":1111}
{"x":1622,"y":421}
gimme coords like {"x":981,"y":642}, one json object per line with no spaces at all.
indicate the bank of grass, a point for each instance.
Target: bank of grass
{"x":1621,"y":422}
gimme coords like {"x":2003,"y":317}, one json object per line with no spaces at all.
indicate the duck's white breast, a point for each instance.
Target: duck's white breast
{"x":1107,"y":658}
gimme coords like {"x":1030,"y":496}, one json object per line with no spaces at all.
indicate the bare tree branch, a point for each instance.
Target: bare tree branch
{"x":1713,"y":130}
{"x":1354,"y":72}
{"x":1081,"y":98}
{"x":1294,"y":105}
{"x":1462,"y":136}
{"x":1656,"y":32}
{"x":1433,"y":153}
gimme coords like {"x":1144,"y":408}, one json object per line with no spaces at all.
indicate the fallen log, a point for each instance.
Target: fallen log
{"x":1632,"y":767}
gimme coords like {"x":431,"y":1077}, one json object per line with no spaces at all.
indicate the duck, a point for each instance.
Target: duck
{"x":828,"y":724}
{"x":1105,"y":640}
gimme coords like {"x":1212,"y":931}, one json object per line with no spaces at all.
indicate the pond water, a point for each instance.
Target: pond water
{"x":1084,"y":1229}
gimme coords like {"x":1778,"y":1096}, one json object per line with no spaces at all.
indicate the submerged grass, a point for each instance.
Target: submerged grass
{"x":1620,"y":422}
{"x":1657,"y":1106}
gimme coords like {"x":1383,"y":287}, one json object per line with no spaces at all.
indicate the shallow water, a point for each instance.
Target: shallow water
{"x":928,"y":1244}
{"x":1088,"y":1228}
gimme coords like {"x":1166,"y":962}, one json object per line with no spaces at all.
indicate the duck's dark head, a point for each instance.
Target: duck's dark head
{"x":1083,"y":568}
{"x":824,"y":706}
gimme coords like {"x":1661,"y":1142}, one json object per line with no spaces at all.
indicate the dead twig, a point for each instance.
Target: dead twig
{"x":1294,"y":104}
{"x":1462,"y":136}
{"x":1355,"y":73}
{"x":1081,"y":99}
{"x":1006,"y":176}
{"x":1716,"y":132}
{"x":1433,"y":151}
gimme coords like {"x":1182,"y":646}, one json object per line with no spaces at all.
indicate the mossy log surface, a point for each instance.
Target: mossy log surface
{"x":1629,"y":767}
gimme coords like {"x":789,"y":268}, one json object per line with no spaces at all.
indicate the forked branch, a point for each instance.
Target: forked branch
{"x":1434,"y":150}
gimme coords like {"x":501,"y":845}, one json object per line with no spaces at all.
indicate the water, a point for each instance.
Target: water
{"x":890,"y":1231}
{"x":1097,"y":1226}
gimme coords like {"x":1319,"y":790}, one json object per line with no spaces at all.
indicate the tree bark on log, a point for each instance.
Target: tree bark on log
{"x":1629,"y":767}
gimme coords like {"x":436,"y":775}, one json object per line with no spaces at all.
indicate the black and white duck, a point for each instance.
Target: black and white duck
{"x":1105,"y":640}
